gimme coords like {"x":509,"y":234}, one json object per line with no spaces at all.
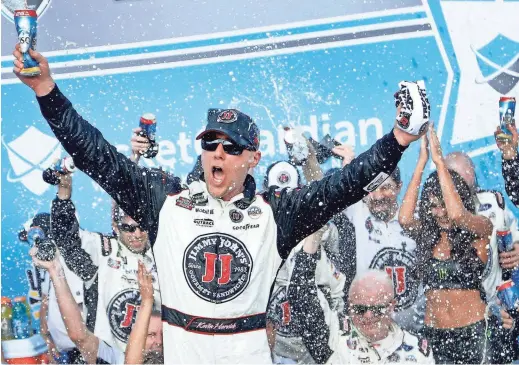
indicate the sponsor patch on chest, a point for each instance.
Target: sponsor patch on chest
{"x":122,"y":312}
{"x":217,"y":267}
{"x":184,"y":203}
{"x":398,"y":264}
{"x":204,"y":222}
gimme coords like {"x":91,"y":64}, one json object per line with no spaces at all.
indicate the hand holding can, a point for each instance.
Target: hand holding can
{"x":26,"y":27}
{"x":508,"y":294}
{"x":148,"y":125}
{"x":506,"y":117}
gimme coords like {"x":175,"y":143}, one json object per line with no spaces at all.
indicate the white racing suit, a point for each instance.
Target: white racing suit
{"x":351,"y":347}
{"x":109,"y":271}
{"x":216,"y":260}
{"x":288,"y":343}
{"x":328,"y":343}
{"x":370,"y":243}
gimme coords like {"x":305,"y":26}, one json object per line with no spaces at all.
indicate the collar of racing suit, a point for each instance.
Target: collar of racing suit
{"x":380,"y":349}
{"x":198,"y":191}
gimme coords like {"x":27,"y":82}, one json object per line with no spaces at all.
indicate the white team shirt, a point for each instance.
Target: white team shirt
{"x":384,"y":246}
{"x":109,"y":354}
{"x":118,"y":288}
{"x":351,"y":347}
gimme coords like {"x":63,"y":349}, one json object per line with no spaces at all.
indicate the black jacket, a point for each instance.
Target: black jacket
{"x":511,"y":176}
{"x":141,"y":192}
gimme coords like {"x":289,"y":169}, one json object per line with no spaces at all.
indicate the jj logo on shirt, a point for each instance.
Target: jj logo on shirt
{"x":122,"y":311}
{"x":217,"y":267}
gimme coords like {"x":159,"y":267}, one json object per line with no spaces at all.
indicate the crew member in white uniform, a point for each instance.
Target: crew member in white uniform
{"x":107,"y":265}
{"x":370,"y":232}
{"x":289,"y":347}
{"x":54,"y":321}
{"x":367,"y":334}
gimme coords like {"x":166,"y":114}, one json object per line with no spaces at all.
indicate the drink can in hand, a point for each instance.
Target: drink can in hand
{"x":508,"y":295}
{"x":148,"y":124}
{"x":506,"y":116}
{"x":26,"y":22}
{"x":505,"y":241}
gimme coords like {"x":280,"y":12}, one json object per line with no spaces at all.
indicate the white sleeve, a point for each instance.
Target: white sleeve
{"x":353,"y":210}
{"x":91,"y":244}
{"x":109,"y":354}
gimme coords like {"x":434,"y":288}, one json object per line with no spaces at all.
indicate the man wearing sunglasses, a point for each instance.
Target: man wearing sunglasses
{"x":217,"y":244}
{"x":108,"y":266}
{"x":368,"y":335}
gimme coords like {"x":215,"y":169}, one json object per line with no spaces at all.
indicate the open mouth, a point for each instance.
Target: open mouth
{"x":218,"y":174}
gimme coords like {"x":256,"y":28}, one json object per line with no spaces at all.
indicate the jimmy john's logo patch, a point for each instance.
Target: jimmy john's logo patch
{"x":227,"y":116}
{"x":284,"y":177}
{"x":398,"y":264}
{"x":217,"y":267}
{"x":122,"y":312}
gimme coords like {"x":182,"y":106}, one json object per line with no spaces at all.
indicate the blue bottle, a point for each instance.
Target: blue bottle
{"x":21,"y":321}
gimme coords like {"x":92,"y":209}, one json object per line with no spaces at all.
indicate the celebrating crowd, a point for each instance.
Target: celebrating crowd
{"x":316,"y":267}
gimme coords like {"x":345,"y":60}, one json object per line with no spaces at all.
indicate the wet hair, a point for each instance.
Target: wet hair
{"x":429,"y":235}
{"x":153,"y":357}
{"x":372,"y":275}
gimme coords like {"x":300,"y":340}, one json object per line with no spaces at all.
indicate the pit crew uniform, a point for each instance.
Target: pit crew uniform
{"x":383,"y":246}
{"x":345,"y":344}
{"x":109,"y":271}
{"x":289,"y":344}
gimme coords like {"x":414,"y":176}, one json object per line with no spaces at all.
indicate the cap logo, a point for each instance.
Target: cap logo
{"x":227,"y":116}
{"x":284,"y":177}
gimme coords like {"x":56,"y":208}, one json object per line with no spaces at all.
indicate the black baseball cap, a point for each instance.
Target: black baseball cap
{"x":238,"y":126}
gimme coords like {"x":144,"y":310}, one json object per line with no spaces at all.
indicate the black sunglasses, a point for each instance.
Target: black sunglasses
{"x":377,"y":310}
{"x":229,"y":147}
{"x":129,"y":228}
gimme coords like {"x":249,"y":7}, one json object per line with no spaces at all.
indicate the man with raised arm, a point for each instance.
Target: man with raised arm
{"x":217,"y":244}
